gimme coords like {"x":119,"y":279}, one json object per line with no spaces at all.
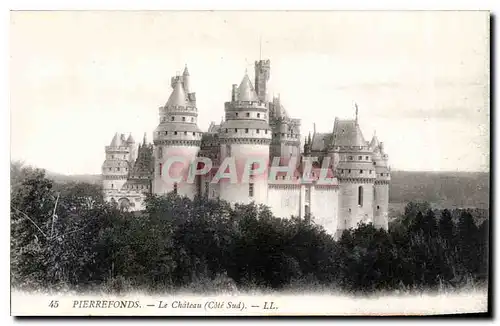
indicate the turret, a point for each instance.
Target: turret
{"x":262,"y":73}
{"x":115,"y":167}
{"x":186,"y":80}
{"x":245,"y":135}
{"x":381,"y":186}
{"x":177,"y":135}
{"x":355,"y":172}
{"x":133,"y":148}
{"x":286,"y":132}
{"x":307,"y":145}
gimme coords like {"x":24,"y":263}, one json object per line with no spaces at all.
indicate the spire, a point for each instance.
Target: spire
{"x":186,"y":71}
{"x":314,"y":128}
{"x":178,"y":96}
{"x":144,"y":139}
{"x":374,"y":143}
{"x":246,"y":92}
{"x":356,"y":106}
{"x":309,"y":138}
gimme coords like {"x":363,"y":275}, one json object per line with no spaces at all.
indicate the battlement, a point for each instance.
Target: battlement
{"x":242,"y":105}
{"x":264,"y":63}
{"x":120,"y":149}
{"x":177,"y":109}
{"x":352,"y":149}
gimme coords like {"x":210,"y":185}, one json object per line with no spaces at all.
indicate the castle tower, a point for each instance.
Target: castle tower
{"x":262,"y":74}
{"x":286,"y":132}
{"x":355,"y":172}
{"x":245,"y":136}
{"x":381,"y":186}
{"x":133,"y":148}
{"x":186,"y":80}
{"x":177,"y":135}
{"x":115,"y":168}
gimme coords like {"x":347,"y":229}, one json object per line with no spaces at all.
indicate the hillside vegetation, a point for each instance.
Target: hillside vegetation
{"x":442,"y":189}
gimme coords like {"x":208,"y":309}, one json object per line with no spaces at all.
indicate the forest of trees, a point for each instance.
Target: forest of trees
{"x":204,"y":245}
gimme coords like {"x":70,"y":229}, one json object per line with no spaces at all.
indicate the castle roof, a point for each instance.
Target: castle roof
{"x":213,"y":128}
{"x":117,"y":141}
{"x":374,"y":143}
{"x":320,"y":141}
{"x":130,"y":139}
{"x":186,"y":71}
{"x":178,"y":96}
{"x":246,"y":92}
{"x":279,"y":110}
{"x":347,"y":133}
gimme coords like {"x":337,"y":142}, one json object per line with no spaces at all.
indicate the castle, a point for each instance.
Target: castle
{"x":258,"y":128}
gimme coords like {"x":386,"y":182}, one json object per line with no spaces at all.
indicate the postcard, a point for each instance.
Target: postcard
{"x":249,"y":163}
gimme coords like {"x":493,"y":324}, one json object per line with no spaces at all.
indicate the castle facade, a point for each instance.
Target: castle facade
{"x":259,"y":131}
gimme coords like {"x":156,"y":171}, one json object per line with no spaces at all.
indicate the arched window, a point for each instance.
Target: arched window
{"x":160,"y":152}
{"x":175,"y":188}
{"x":360,"y":196}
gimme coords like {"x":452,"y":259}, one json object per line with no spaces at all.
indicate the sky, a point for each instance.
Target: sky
{"x":420,"y":79}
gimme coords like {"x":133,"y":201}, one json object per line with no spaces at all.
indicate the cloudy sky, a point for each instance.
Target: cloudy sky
{"x":420,"y":79}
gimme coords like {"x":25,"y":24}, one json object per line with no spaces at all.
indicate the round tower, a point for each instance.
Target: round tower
{"x":186,"y":80}
{"x":133,"y":149}
{"x":381,"y":186}
{"x":177,"y":136}
{"x":116,"y":167}
{"x":245,"y":136}
{"x":356,"y":174}
{"x":286,"y":132}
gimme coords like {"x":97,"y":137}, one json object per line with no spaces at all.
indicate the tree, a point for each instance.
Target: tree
{"x":32,"y":206}
{"x":446,"y":227}
{"x":468,"y":244}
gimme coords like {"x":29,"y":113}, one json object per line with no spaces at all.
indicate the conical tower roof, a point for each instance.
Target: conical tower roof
{"x":348,"y":133}
{"x":186,"y":71}
{"x":246,"y":92}
{"x":178,"y":96}
{"x":116,"y":141}
{"x":374,"y":143}
{"x":130,"y":139}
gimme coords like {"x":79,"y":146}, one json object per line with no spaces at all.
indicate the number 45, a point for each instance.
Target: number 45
{"x":54,"y":304}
